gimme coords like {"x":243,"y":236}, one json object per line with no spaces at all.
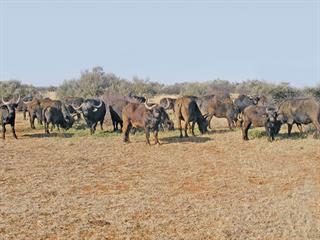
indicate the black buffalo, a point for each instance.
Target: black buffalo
{"x":8,"y":116}
{"x":57,"y":117}
{"x":93,"y":112}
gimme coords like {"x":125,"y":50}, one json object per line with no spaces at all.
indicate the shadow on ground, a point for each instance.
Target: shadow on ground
{"x":177,"y":139}
{"x":51,"y":135}
{"x":218,"y":131}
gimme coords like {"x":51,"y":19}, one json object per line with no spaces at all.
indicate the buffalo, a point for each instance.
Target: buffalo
{"x":116,"y":103}
{"x":220,"y":108}
{"x":57,"y":117}
{"x":140,"y":99}
{"x":243,"y":101}
{"x":47,"y":102}
{"x":23,"y":105}
{"x":35,"y":111}
{"x":115,"y":118}
{"x":300,"y":111}
{"x":186,"y":109}
{"x":73,"y":101}
{"x":260,"y":116}
{"x":8,"y":116}
{"x":149,"y":118}
{"x":93,"y":112}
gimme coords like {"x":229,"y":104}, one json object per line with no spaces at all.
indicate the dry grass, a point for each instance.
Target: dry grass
{"x":207,"y":187}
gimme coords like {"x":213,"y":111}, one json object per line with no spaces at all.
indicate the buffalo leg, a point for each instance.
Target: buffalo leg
{"x":156,"y":140}
{"x":147,"y":131}
{"x":13,"y":131}
{"x":46,"y":127}
{"x":93,"y":128}
{"x":121,"y":125}
{"x":31,"y":118}
{"x":126,"y":129}
{"x":115,"y":126}
{"x":209,"y":120}
{"x":3,"y":131}
{"x":317,"y":126}
{"x":270,"y":132}
{"x":289,"y":129}
{"x":186,"y":127}
{"x":101,"y":125}
{"x":230,"y":123}
{"x":192,"y":128}
{"x":300,"y":127}
{"x":245,"y":129}
{"x":180,"y":127}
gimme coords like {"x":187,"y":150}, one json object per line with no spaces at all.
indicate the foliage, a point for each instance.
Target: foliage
{"x":13,"y":88}
{"x":96,"y":82}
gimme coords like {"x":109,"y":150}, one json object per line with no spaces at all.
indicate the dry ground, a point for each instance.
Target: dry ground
{"x":208,"y":187}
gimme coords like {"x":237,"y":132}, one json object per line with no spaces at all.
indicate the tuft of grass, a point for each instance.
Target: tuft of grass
{"x":254,"y":133}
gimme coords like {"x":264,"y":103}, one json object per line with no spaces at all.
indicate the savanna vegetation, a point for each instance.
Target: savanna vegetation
{"x":96,"y":82}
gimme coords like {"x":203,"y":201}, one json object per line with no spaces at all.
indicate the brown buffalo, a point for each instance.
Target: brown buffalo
{"x":187,"y":110}
{"x":141,"y":115}
{"x":47,"y":102}
{"x":34,"y":110}
{"x":300,"y":111}
{"x":243,"y":101}
{"x":260,"y":116}
{"x":221,"y":109}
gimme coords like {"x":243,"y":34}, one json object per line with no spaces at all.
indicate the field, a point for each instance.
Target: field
{"x":75,"y":186}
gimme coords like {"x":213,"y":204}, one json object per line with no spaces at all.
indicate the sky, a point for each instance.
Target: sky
{"x":46,"y":42}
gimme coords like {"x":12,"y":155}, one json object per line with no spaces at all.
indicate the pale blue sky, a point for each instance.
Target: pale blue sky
{"x":45,"y":42}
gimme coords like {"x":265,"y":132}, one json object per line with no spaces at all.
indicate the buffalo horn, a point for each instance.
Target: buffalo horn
{"x":4,"y":102}
{"x":148,"y":107}
{"x":168,"y":104}
{"x":98,"y":105}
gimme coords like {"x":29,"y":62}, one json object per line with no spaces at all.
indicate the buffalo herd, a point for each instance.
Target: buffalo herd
{"x":129,"y":113}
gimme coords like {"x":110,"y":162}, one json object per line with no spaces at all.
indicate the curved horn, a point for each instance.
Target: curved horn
{"x":77,"y":108}
{"x":18,"y":99}
{"x":26,"y":102}
{"x":98,"y":105}
{"x":168,"y":104}
{"x":4,"y":102}
{"x":148,"y":107}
